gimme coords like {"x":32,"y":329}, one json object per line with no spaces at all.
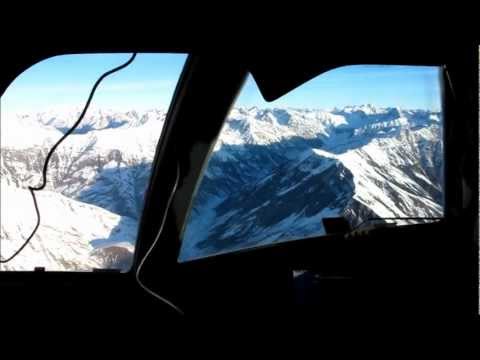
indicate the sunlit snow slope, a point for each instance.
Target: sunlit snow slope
{"x":273,"y":174}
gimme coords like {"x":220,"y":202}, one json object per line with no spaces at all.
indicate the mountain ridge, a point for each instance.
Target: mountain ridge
{"x":379,"y":161}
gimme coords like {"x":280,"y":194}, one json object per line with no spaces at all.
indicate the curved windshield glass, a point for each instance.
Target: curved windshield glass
{"x":356,"y":142}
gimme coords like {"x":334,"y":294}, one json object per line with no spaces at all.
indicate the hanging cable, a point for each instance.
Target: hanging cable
{"x":52,"y":150}
{"x":154,"y":243}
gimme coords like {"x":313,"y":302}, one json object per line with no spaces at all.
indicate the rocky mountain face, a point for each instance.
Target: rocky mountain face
{"x":105,"y":170}
{"x":274,"y":173}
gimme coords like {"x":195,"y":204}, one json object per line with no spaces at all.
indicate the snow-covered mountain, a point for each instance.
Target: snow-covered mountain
{"x":276,"y":173}
{"x":273,"y":174}
{"x":95,"y":119}
{"x":97,"y":175}
{"x":72,"y":235}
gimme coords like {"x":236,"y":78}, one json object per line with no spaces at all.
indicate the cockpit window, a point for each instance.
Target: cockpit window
{"x":97,"y":178}
{"x":355,"y":142}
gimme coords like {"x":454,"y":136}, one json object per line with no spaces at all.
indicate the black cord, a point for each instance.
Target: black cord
{"x":394,"y":218}
{"x":54,"y":147}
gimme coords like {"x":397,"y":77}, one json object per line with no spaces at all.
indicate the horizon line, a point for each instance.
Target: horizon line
{"x":61,"y":110}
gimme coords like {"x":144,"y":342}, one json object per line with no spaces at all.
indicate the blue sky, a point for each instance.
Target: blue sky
{"x":65,"y":81}
{"x":408,"y":87}
{"x":149,"y":82}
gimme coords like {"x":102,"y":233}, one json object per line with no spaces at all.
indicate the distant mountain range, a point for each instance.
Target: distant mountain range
{"x":273,"y":175}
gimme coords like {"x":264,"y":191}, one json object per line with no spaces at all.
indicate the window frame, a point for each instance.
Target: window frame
{"x":177,"y":99}
{"x":446,"y":98}
{"x":461,"y":113}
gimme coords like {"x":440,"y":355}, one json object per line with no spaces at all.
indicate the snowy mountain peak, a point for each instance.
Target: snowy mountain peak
{"x":272,"y":176}
{"x":95,"y":119}
{"x":367,"y":109}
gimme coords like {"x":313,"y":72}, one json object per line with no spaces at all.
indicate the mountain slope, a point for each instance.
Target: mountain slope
{"x":275,"y":181}
{"x":273,"y":175}
{"x":72,"y":235}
